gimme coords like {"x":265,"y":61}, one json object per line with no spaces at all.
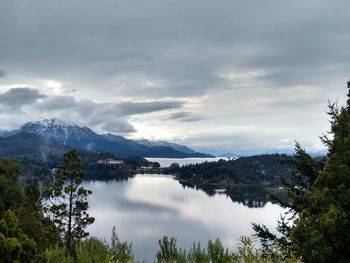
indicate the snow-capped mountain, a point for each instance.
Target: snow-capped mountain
{"x":84,"y":138}
{"x":59,"y":131}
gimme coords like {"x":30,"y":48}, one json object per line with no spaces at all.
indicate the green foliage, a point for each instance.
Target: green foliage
{"x":136,"y":162}
{"x":90,"y":250}
{"x":34,"y":170}
{"x":246,"y":180}
{"x":14,"y":245}
{"x":95,"y":171}
{"x":197,"y":254}
{"x":57,"y":254}
{"x":69,"y":201}
{"x":248,"y":254}
{"x":321,"y":232}
{"x":216,"y":253}
{"x":10,"y":187}
{"x":120,"y":252}
{"x":93,"y":250}
{"x":294,"y":199}
{"x":169,"y":252}
{"x":32,"y":221}
{"x":318,"y":199}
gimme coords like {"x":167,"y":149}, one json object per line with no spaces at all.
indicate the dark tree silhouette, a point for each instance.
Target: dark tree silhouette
{"x":68,"y":201}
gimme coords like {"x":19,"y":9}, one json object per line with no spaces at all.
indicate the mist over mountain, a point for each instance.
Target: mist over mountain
{"x":23,"y":144}
{"x":178,"y":147}
{"x":70,"y":135}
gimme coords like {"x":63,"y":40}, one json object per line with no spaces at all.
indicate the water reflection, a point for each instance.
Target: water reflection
{"x":248,"y":195}
{"x":146,"y":207}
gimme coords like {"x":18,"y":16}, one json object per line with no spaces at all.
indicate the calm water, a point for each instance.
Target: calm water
{"x":146,"y":207}
{"x":165,"y":162}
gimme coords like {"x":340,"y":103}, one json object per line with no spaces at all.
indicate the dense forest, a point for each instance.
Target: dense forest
{"x":247,"y":179}
{"x":38,"y":170}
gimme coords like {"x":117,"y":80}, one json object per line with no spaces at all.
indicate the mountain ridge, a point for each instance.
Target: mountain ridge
{"x":72,"y":135}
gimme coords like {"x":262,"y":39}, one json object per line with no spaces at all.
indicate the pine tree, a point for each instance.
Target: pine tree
{"x":69,"y":202}
{"x":321,"y":232}
{"x":294,"y":200}
{"x":318,"y":199}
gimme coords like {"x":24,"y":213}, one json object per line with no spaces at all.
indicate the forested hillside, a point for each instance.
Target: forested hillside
{"x":246,"y":179}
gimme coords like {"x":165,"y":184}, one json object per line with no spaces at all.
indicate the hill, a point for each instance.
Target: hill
{"x":246,"y":179}
{"x":37,"y":155}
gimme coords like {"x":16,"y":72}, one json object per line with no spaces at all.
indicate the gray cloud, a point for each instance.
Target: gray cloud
{"x":2,"y":73}
{"x":183,"y":116}
{"x":57,"y":103}
{"x":130,"y":108}
{"x":117,"y":126}
{"x":184,"y":50}
{"x":244,"y":61}
{"x":17,"y":97}
{"x":88,"y":107}
{"x":107,"y":117}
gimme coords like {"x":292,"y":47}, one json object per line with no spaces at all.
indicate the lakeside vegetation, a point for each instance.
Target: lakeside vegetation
{"x":247,"y":180}
{"x":33,"y":170}
{"x":32,"y":232}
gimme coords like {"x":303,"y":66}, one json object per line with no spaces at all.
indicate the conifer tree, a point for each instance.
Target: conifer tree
{"x":321,"y":232}
{"x":295,"y":199}
{"x":318,"y":199}
{"x":69,"y":202}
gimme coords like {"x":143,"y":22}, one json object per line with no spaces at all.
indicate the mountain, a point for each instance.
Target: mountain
{"x":86,"y":139}
{"x":156,"y":148}
{"x":23,"y":144}
{"x":177,"y":147}
{"x":5,"y":133}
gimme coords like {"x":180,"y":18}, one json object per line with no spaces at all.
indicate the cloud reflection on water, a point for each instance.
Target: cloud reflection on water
{"x":145,"y":208}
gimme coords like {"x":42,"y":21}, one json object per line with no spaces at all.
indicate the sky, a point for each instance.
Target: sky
{"x":219,"y":76}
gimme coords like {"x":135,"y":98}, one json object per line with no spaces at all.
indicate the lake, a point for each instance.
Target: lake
{"x":145,"y":208}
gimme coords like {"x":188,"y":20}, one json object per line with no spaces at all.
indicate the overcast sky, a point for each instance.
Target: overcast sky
{"x":219,"y":76}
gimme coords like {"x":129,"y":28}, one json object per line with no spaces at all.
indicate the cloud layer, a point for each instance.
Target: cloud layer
{"x":107,"y":117}
{"x":14,"y":99}
{"x":183,"y":70}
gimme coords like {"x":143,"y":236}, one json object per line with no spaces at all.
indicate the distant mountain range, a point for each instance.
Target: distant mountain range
{"x":177,"y":147}
{"x":55,"y":135}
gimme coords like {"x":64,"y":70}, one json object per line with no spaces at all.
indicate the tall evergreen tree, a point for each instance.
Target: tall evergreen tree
{"x":294,"y":200}
{"x":33,"y":222}
{"x":69,"y":201}
{"x":318,"y":199}
{"x":321,"y":232}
